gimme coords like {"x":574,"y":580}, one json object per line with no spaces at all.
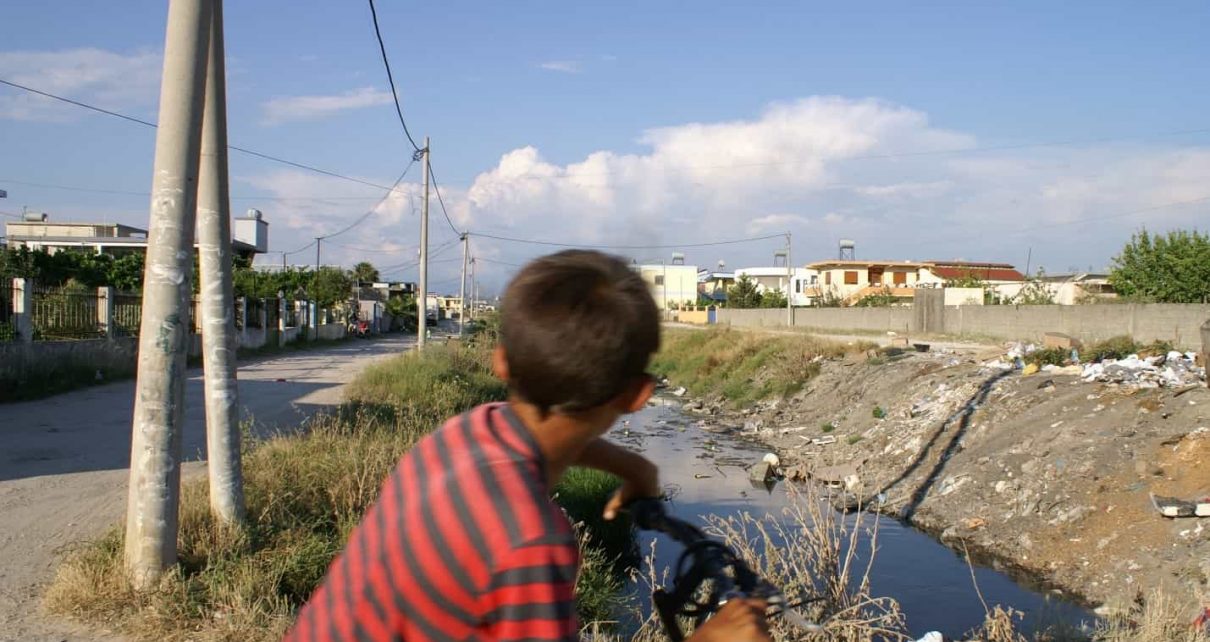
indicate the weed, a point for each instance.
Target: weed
{"x":879,"y":412}
{"x":828,"y":426}
{"x":1048,"y":356}
{"x":854,"y":439}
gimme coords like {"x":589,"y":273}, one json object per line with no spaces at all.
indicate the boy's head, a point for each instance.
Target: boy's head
{"x":577,"y":328}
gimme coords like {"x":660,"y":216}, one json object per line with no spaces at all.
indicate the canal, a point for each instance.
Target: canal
{"x":705,"y":473}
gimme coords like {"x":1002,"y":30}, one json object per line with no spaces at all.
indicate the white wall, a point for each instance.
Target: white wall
{"x":679,"y":284}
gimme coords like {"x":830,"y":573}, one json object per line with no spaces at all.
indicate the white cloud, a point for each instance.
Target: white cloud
{"x":293,"y":108}
{"x":823,"y":168}
{"x":563,"y":66}
{"x":106,"y":78}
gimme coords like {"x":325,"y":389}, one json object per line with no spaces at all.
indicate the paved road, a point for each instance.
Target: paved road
{"x":64,"y":461}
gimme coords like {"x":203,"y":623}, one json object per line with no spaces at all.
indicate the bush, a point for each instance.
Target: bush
{"x":879,"y":412}
{"x":1114,"y":348}
{"x":1048,"y":356}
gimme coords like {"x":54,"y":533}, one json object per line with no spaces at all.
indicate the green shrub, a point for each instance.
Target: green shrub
{"x":827,"y":426}
{"x":878,"y":412}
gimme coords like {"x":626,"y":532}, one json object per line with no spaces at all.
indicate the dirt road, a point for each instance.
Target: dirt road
{"x":64,"y":460}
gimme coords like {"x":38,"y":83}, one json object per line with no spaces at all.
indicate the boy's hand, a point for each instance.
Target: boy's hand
{"x":640,"y":477}
{"x":740,"y":620}
{"x":638,"y":483}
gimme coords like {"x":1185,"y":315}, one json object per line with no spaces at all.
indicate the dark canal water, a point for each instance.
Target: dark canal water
{"x":932,"y":583}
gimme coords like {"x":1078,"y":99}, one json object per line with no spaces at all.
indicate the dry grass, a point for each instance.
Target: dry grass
{"x":1160,"y":618}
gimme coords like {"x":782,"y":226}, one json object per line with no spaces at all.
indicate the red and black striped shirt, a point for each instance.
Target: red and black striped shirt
{"x":463,"y":542}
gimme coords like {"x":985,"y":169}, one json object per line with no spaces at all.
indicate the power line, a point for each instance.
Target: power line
{"x":390,"y":77}
{"x":628,"y":247}
{"x":243,"y":150}
{"x":371,"y":211}
{"x":504,"y":263}
{"x":441,"y":201}
{"x":241,"y":197}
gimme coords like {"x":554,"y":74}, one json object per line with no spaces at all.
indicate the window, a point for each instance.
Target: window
{"x":827,"y":278}
{"x":798,"y":286}
{"x":850,"y":277}
{"x":900,"y":278}
{"x":659,"y":279}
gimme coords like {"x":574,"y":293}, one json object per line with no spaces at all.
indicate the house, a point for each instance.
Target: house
{"x":1079,"y":287}
{"x":803,"y":281}
{"x":713,"y":286}
{"x":849,"y":281}
{"x":35,"y":231}
{"x":938,"y":273}
{"x":673,"y":285}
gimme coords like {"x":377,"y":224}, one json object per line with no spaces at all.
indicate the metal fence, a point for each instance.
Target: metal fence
{"x":65,"y":313}
{"x":8,"y":321}
{"x":272,"y":314}
{"x":252,"y":311}
{"x":127,"y":314}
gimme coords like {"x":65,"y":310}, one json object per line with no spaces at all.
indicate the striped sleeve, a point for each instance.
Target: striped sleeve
{"x":532,"y":593}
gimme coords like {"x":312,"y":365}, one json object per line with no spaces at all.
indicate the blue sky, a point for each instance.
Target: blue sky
{"x":685,"y":122}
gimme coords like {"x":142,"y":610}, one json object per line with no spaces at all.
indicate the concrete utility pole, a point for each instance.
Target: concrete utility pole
{"x":422,"y":301}
{"x":466,"y":240}
{"x":789,"y":285}
{"x":152,"y":513}
{"x":218,"y":293}
{"x":474,"y":288}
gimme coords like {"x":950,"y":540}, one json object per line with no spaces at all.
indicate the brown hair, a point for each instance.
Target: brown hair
{"x":577,"y":326}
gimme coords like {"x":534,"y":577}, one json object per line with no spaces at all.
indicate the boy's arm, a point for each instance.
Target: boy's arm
{"x":640,"y":477}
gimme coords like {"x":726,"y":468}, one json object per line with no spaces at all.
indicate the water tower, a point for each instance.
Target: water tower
{"x":848,"y":250}
{"x":678,"y":258}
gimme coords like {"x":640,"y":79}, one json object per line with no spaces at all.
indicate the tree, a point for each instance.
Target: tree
{"x":881,"y":299}
{"x":968,"y":280}
{"x":365,"y":272}
{"x":1035,"y":292}
{"x":772,"y":299}
{"x":744,"y":294}
{"x":1174,"y":268}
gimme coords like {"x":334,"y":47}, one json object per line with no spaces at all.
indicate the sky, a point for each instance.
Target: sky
{"x":1038,"y":134}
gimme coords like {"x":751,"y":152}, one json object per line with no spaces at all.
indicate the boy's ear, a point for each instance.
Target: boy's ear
{"x":500,"y":363}
{"x":637,"y":394}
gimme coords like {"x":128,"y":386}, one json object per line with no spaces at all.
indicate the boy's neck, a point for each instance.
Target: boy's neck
{"x":562,"y":438}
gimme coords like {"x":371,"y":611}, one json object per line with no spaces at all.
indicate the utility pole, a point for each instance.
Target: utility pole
{"x":466,"y":239}
{"x":474,"y":287}
{"x":218,"y":293}
{"x":789,"y":285}
{"x":422,"y":301}
{"x":152,"y":512}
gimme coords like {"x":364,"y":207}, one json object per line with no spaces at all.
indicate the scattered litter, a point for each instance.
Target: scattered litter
{"x":1030,"y":369}
{"x":772,"y":459}
{"x":823,"y":441}
{"x":700,"y":476}
{"x":679,"y":391}
{"x":1173,"y":507}
{"x":1173,"y":370}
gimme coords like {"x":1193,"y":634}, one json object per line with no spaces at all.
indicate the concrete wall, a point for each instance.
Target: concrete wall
{"x":1150,"y":322}
{"x":890,"y":318}
{"x":19,"y":360}
{"x":331,"y":331}
{"x":1145,"y":322}
{"x":699,"y":317}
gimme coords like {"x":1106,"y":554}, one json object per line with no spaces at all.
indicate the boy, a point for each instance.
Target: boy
{"x":464,"y":541}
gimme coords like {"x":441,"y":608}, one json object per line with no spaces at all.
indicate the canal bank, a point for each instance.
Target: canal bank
{"x":704,"y":468}
{"x":1047,"y":475}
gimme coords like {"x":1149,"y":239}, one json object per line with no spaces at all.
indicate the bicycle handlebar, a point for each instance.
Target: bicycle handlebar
{"x":711,"y":565}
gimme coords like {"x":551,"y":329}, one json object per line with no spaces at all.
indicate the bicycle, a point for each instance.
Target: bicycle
{"x":710,"y":567}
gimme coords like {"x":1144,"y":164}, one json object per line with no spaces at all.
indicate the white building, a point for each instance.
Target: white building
{"x":802,"y":281}
{"x":250,"y":236}
{"x":673,"y":286}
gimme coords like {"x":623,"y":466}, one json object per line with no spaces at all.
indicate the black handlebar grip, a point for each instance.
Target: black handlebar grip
{"x":648,"y":514}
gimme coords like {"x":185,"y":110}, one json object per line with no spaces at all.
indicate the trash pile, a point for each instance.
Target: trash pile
{"x":1174,"y":369}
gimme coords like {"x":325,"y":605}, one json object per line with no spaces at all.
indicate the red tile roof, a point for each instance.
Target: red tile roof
{"x":985,"y":273}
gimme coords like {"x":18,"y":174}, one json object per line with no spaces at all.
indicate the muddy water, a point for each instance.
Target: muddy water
{"x":706,"y":474}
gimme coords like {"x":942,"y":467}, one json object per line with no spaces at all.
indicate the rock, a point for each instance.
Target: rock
{"x":761,"y":472}
{"x":974,"y":523}
{"x":691,"y":406}
{"x":753,"y":425}
{"x":1002,"y":485}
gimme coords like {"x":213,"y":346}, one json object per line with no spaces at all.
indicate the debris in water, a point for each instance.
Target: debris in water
{"x":772,"y":459}
{"x":678,"y":392}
